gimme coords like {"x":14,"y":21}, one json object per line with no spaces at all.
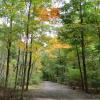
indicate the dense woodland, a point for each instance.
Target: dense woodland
{"x":71,"y":56}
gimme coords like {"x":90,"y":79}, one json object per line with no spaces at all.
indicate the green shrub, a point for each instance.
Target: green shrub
{"x":73,"y":76}
{"x":93,"y":79}
{"x":95,"y":83}
{"x":36,"y":78}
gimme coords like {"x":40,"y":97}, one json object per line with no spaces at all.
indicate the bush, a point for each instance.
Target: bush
{"x":73,"y":77}
{"x":36,"y":78}
{"x":95,"y":83}
{"x":93,"y":79}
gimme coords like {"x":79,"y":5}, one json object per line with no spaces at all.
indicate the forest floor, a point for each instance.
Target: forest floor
{"x":54,"y":91}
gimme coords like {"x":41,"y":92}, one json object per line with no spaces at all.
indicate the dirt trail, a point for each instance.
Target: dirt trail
{"x":54,"y":91}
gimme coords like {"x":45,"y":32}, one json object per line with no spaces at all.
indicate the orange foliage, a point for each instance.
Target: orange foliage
{"x":54,"y":13}
{"x":44,"y":14}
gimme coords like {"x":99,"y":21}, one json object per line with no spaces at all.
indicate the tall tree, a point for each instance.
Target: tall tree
{"x":83,"y":46}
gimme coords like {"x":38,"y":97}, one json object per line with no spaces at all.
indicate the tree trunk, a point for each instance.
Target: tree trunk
{"x":24,"y":74}
{"x":29,"y":68}
{"x":8,"y":52}
{"x":26,"y":52}
{"x":79,"y":64}
{"x":84,"y":63}
{"x":83,"y":49}
{"x":99,"y":36}
{"x":17,"y":68}
{"x":25,"y":65}
{"x":8,"y":61}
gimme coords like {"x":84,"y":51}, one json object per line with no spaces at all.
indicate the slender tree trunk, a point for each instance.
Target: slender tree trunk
{"x":8,"y":53}
{"x":29,"y":68}
{"x":83,"y":49}
{"x":79,"y":64}
{"x":17,"y":68}
{"x":26,"y":52}
{"x":99,"y":33}
{"x":25,"y":67}
{"x":24,"y":74}
{"x":84,"y":63}
{"x":8,"y":61}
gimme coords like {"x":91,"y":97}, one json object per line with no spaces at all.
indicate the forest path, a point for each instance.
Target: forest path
{"x":54,"y":91}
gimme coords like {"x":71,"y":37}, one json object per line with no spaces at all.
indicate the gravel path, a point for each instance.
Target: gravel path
{"x":54,"y":91}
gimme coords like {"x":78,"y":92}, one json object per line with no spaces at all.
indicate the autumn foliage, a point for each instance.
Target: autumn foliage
{"x":43,"y":14}
{"x":59,"y":45}
{"x":55,"y":13}
{"x":21,"y":45}
{"x":46,"y":14}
